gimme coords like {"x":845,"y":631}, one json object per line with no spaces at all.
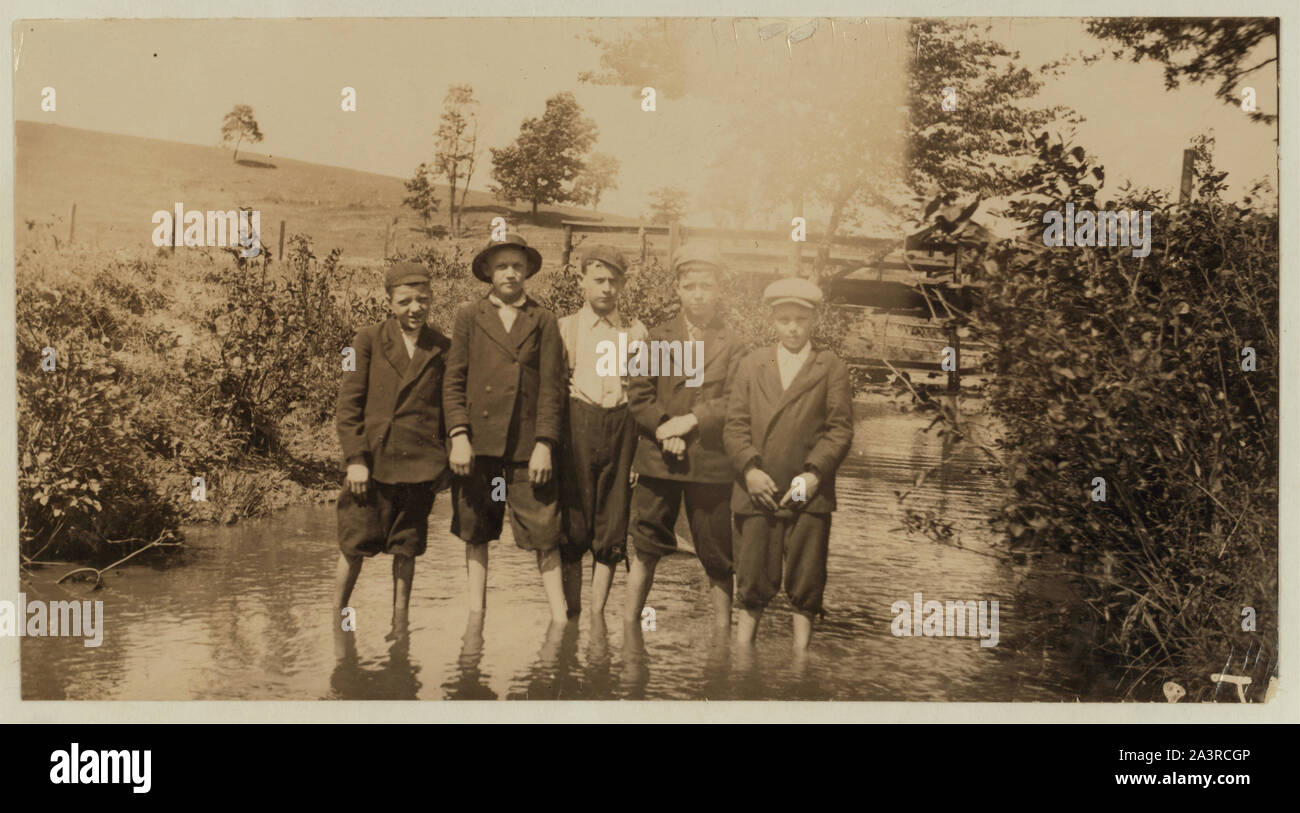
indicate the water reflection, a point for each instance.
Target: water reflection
{"x":392,"y":678}
{"x":245,"y":614}
{"x":468,"y":682}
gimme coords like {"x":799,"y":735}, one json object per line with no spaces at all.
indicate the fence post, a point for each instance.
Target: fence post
{"x":640,"y":233}
{"x":568,"y":247}
{"x":72,"y":223}
{"x":674,"y":239}
{"x":280,"y":255}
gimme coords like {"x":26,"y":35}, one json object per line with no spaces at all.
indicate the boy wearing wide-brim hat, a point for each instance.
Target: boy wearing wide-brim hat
{"x":390,"y":429}
{"x":789,"y":426}
{"x":599,"y":443}
{"x":680,"y":457}
{"x":503,"y":397}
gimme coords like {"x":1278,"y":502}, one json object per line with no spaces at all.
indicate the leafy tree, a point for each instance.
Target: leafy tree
{"x":831,"y":140}
{"x":456,"y":150}
{"x":547,"y":154}
{"x":1133,"y":370}
{"x":1195,"y":49}
{"x":667,"y":204}
{"x":596,"y":178}
{"x":422,"y":198}
{"x":238,"y":125}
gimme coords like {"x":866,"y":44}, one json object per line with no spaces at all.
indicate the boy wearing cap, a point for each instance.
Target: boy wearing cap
{"x":679,"y":454}
{"x":789,"y":426}
{"x":600,"y":441}
{"x":504,"y":400}
{"x":390,"y":428}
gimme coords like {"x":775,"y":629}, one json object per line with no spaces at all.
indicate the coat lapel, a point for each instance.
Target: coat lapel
{"x":715,"y":338}
{"x":489,"y":320}
{"x":769,"y":379}
{"x":525,"y":321}
{"x":425,"y":350}
{"x":813,"y":369}
{"x":394,"y":347}
{"x":674,"y":331}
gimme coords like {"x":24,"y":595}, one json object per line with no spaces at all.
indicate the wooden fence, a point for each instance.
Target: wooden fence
{"x":905,"y":281}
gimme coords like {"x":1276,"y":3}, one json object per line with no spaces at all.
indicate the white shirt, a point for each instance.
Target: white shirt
{"x":582,"y":332}
{"x":410,"y":339}
{"x":789,"y":363}
{"x":507,"y":310}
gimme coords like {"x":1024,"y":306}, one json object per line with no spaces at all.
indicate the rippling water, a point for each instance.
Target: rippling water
{"x":245,"y":614}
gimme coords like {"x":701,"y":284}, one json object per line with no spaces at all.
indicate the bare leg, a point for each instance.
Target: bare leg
{"x":602,"y":578}
{"x":345,"y":578}
{"x":476,"y":563}
{"x":747,"y":629}
{"x":802,"y":631}
{"x":403,"y":575}
{"x":639,"y":581}
{"x":572,"y":579}
{"x":720,"y":598}
{"x":548,"y":563}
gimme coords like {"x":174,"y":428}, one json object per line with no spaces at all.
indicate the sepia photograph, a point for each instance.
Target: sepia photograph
{"x":926,"y":359}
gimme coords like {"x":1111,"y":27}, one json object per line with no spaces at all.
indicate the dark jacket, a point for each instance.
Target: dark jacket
{"x":390,"y":407}
{"x":508,"y":389}
{"x":654,"y":399}
{"x":809,"y":424}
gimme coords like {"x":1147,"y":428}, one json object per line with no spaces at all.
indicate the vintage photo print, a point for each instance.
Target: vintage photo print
{"x":927,"y":359}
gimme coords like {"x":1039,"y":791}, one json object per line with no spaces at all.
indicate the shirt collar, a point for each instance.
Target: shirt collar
{"x":498,"y":302}
{"x":697,"y":329}
{"x":590,"y":318}
{"x":803,"y":351}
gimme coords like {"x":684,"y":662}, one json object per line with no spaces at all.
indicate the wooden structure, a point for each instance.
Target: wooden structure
{"x":893,"y":283}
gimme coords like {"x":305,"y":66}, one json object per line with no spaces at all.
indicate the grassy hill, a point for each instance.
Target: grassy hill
{"x":119,"y":181}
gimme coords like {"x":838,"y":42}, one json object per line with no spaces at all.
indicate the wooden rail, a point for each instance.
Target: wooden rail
{"x":918,"y":298}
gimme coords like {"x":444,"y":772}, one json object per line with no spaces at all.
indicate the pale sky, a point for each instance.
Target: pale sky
{"x":175,"y":80}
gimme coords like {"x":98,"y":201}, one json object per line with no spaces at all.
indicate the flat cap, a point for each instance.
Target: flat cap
{"x":696,"y":253}
{"x":511,"y":240}
{"x":793,"y":289}
{"x":606,"y":254}
{"x":406,"y":273}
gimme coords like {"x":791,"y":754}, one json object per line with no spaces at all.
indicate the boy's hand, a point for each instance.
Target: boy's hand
{"x":358,"y":477}
{"x":674,"y":446}
{"x":676,"y":427}
{"x":761,"y":488}
{"x":462,"y":456}
{"x":539,"y":465}
{"x":810,"y":485}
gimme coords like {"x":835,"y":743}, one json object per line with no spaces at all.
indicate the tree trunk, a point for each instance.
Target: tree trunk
{"x":236,"y":158}
{"x":832,"y":226}
{"x":451,"y":209}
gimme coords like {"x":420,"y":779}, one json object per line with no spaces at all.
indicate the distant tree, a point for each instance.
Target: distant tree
{"x":843,"y":144}
{"x":456,"y":149}
{"x":422,"y":198}
{"x":547,"y":155}
{"x":1195,"y":49}
{"x":238,"y":125}
{"x":596,"y":178}
{"x":667,"y":204}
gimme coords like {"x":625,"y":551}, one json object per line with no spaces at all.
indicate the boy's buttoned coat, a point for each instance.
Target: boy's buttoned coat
{"x":390,"y":407}
{"x":808,"y":424}
{"x":508,"y":388}
{"x":654,"y":399}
